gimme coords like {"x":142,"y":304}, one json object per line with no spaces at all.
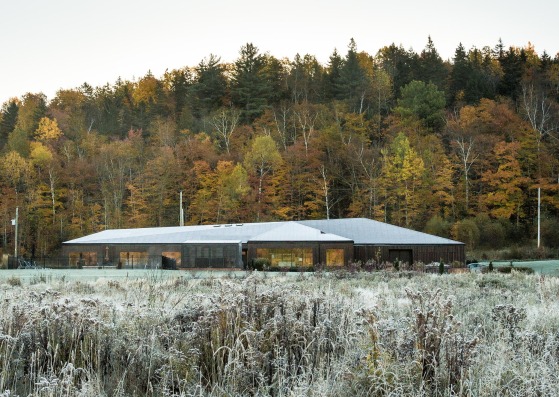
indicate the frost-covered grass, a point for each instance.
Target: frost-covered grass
{"x":344,"y":334}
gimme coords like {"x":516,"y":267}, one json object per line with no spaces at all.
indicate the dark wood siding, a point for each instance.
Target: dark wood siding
{"x":448,"y":253}
{"x":404,"y":256}
{"x":108,"y":254}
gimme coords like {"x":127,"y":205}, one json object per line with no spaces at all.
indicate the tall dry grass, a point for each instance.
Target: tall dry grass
{"x":371,"y":334}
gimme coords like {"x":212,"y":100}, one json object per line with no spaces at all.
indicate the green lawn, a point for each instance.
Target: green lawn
{"x":549,"y":267}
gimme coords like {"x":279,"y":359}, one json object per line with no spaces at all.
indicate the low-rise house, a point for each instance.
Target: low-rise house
{"x":300,"y":244}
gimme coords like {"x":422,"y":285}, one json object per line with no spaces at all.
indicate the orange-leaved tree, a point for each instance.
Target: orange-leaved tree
{"x":505,"y":183}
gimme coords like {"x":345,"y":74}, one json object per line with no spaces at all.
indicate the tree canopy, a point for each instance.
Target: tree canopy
{"x":408,"y":138}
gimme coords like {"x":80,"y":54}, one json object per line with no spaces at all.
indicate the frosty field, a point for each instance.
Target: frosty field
{"x":152,"y":333}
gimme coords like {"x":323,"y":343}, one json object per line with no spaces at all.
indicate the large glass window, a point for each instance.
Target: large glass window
{"x":216,"y":255}
{"x":335,"y":257}
{"x":171,"y":258}
{"x":209,"y":255}
{"x":134,"y":259}
{"x":287,"y":257}
{"x":230,"y":255}
{"x":78,"y":259}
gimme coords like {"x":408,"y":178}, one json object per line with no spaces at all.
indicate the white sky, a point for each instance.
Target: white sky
{"x":46,"y":45}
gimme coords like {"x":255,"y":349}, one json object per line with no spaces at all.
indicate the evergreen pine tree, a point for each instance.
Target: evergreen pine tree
{"x":333,"y":76}
{"x":353,"y":81}
{"x":250,"y":88}
{"x":512,"y":64}
{"x":210,"y":86}
{"x":431,"y":67}
{"x":401,"y":65}
{"x":8,"y":119}
{"x":459,"y":76}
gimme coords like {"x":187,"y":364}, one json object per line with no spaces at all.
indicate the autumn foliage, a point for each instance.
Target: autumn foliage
{"x":398,"y":136}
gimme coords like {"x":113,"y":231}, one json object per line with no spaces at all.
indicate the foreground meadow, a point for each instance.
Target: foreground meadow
{"x":323,"y":334}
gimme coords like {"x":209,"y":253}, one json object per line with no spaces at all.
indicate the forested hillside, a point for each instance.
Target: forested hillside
{"x":456,"y":148}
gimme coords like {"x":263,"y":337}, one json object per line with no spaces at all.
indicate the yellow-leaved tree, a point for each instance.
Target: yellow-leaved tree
{"x":48,"y":130}
{"x":220,"y":192}
{"x":261,"y":160}
{"x":232,"y":187}
{"x":40,"y":154}
{"x":16,"y":171}
{"x":402,"y":174}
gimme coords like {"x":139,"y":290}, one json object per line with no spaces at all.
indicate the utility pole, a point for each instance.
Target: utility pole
{"x":539,"y":216}
{"x":181,"y":212}
{"x":17,"y":220}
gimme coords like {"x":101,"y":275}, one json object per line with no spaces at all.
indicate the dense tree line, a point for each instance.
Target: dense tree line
{"x":457,"y":148}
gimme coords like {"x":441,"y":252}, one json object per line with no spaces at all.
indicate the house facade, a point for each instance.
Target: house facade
{"x":300,"y":244}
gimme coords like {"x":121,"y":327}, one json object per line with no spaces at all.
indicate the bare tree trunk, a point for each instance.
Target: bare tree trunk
{"x":361,"y":102}
{"x":307,"y":121}
{"x":467,"y":158}
{"x":52,"y":181}
{"x":281,"y":126}
{"x":538,"y":111}
{"x":325,"y":190}
{"x":260,"y":179}
{"x":225,"y":122}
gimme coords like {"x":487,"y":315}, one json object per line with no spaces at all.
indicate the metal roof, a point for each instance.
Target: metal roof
{"x":177,"y":234}
{"x":294,"y":231}
{"x":358,"y":230}
{"x":154,"y":235}
{"x":369,"y":232}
